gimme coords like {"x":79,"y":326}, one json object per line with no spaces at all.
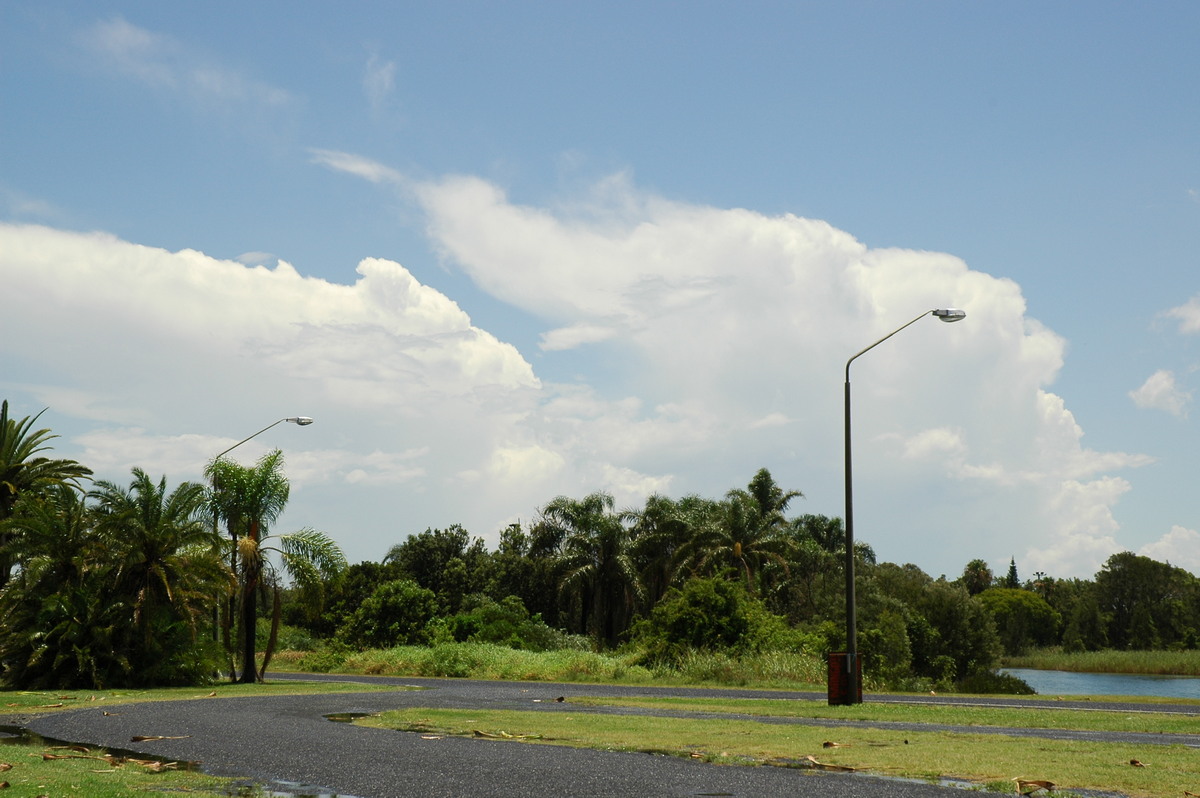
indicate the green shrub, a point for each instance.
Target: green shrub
{"x":713,"y":615}
{"x":325,"y":659}
{"x":993,"y":682}
{"x":453,"y":661}
{"x":290,"y":638}
{"x":506,"y":623}
{"x":396,"y":613}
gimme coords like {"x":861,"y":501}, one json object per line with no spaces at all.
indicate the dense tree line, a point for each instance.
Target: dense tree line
{"x":105,"y":584}
{"x":740,"y":574}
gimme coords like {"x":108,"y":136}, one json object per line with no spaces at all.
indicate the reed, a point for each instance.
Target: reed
{"x":1157,"y":663}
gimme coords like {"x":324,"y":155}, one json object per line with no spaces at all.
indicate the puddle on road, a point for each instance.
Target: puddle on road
{"x":347,"y":717}
{"x":287,"y":789}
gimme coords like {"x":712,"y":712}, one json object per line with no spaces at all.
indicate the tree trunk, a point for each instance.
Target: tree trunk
{"x":249,"y":622}
{"x":250,"y":568}
{"x":276,"y":612}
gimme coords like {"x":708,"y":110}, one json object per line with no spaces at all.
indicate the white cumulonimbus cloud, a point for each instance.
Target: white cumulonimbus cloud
{"x":740,"y":317}
{"x":724,"y":335}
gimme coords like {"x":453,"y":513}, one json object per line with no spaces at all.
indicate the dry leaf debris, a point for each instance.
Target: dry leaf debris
{"x":1030,"y":786}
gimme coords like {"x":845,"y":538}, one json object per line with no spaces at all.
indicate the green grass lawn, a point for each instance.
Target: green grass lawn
{"x":1147,"y":720}
{"x":989,"y":761}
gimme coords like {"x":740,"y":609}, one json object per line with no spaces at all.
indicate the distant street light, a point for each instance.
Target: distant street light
{"x":845,"y":679}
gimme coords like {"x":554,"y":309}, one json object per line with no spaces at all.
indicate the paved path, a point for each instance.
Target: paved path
{"x":289,"y":739}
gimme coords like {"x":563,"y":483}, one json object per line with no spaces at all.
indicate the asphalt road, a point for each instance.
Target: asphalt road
{"x":288,"y":739}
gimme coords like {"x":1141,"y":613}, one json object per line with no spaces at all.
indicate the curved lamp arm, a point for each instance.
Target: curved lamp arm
{"x":947,"y":315}
{"x":302,"y":421}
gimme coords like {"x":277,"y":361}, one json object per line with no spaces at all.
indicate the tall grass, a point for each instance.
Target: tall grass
{"x":490,"y":661}
{"x":1158,"y":663}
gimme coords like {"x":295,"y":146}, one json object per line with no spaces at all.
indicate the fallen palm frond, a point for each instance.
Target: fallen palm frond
{"x":809,"y":762}
{"x":153,"y":765}
{"x":503,"y":735}
{"x":1030,"y":786}
{"x":48,"y":757}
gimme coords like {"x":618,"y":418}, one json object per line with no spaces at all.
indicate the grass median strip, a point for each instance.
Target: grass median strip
{"x":991,"y":761}
{"x":39,"y":702}
{"x":1142,"y":720}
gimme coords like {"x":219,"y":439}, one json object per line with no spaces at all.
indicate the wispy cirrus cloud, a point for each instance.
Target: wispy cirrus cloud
{"x":379,"y":82}
{"x":167,"y":64}
{"x":358,"y":166}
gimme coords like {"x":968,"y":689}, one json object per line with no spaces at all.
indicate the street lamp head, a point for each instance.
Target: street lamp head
{"x":304,"y":421}
{"x":950,"y":314}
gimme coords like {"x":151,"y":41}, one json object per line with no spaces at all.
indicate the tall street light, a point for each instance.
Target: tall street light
{"x":845,"y":679}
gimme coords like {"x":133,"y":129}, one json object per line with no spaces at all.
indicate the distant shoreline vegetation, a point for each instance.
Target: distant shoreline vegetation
{"x":1149,"y":663}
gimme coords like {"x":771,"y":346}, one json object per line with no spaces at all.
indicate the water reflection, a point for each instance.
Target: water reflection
{"x":1069,"y":683}
{"x":285,"y":789}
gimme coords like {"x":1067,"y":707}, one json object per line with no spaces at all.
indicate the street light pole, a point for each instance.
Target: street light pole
{"x":845,"y":679}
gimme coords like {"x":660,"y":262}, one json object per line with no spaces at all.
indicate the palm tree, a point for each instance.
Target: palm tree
{"x":309,"y":557}
{"x":596,"y":557}
{"x":830,"y":534}
{"x":661,"y":531}
{"x":167,"y":561}
{"x":53,"y":540}
{"x":250,"y":499}
{"x":22,"y":472}
{"x":750,"y":532}
{"x":772,"y":500}
{"x":62,"y":624}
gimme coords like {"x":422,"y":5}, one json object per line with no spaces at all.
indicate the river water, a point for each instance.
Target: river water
{"x":1068,"y":683}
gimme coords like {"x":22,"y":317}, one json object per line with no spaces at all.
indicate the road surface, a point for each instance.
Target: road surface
{"x":289,"y":740}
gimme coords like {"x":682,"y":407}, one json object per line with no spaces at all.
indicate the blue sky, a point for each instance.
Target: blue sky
{"x":507,"y":251}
